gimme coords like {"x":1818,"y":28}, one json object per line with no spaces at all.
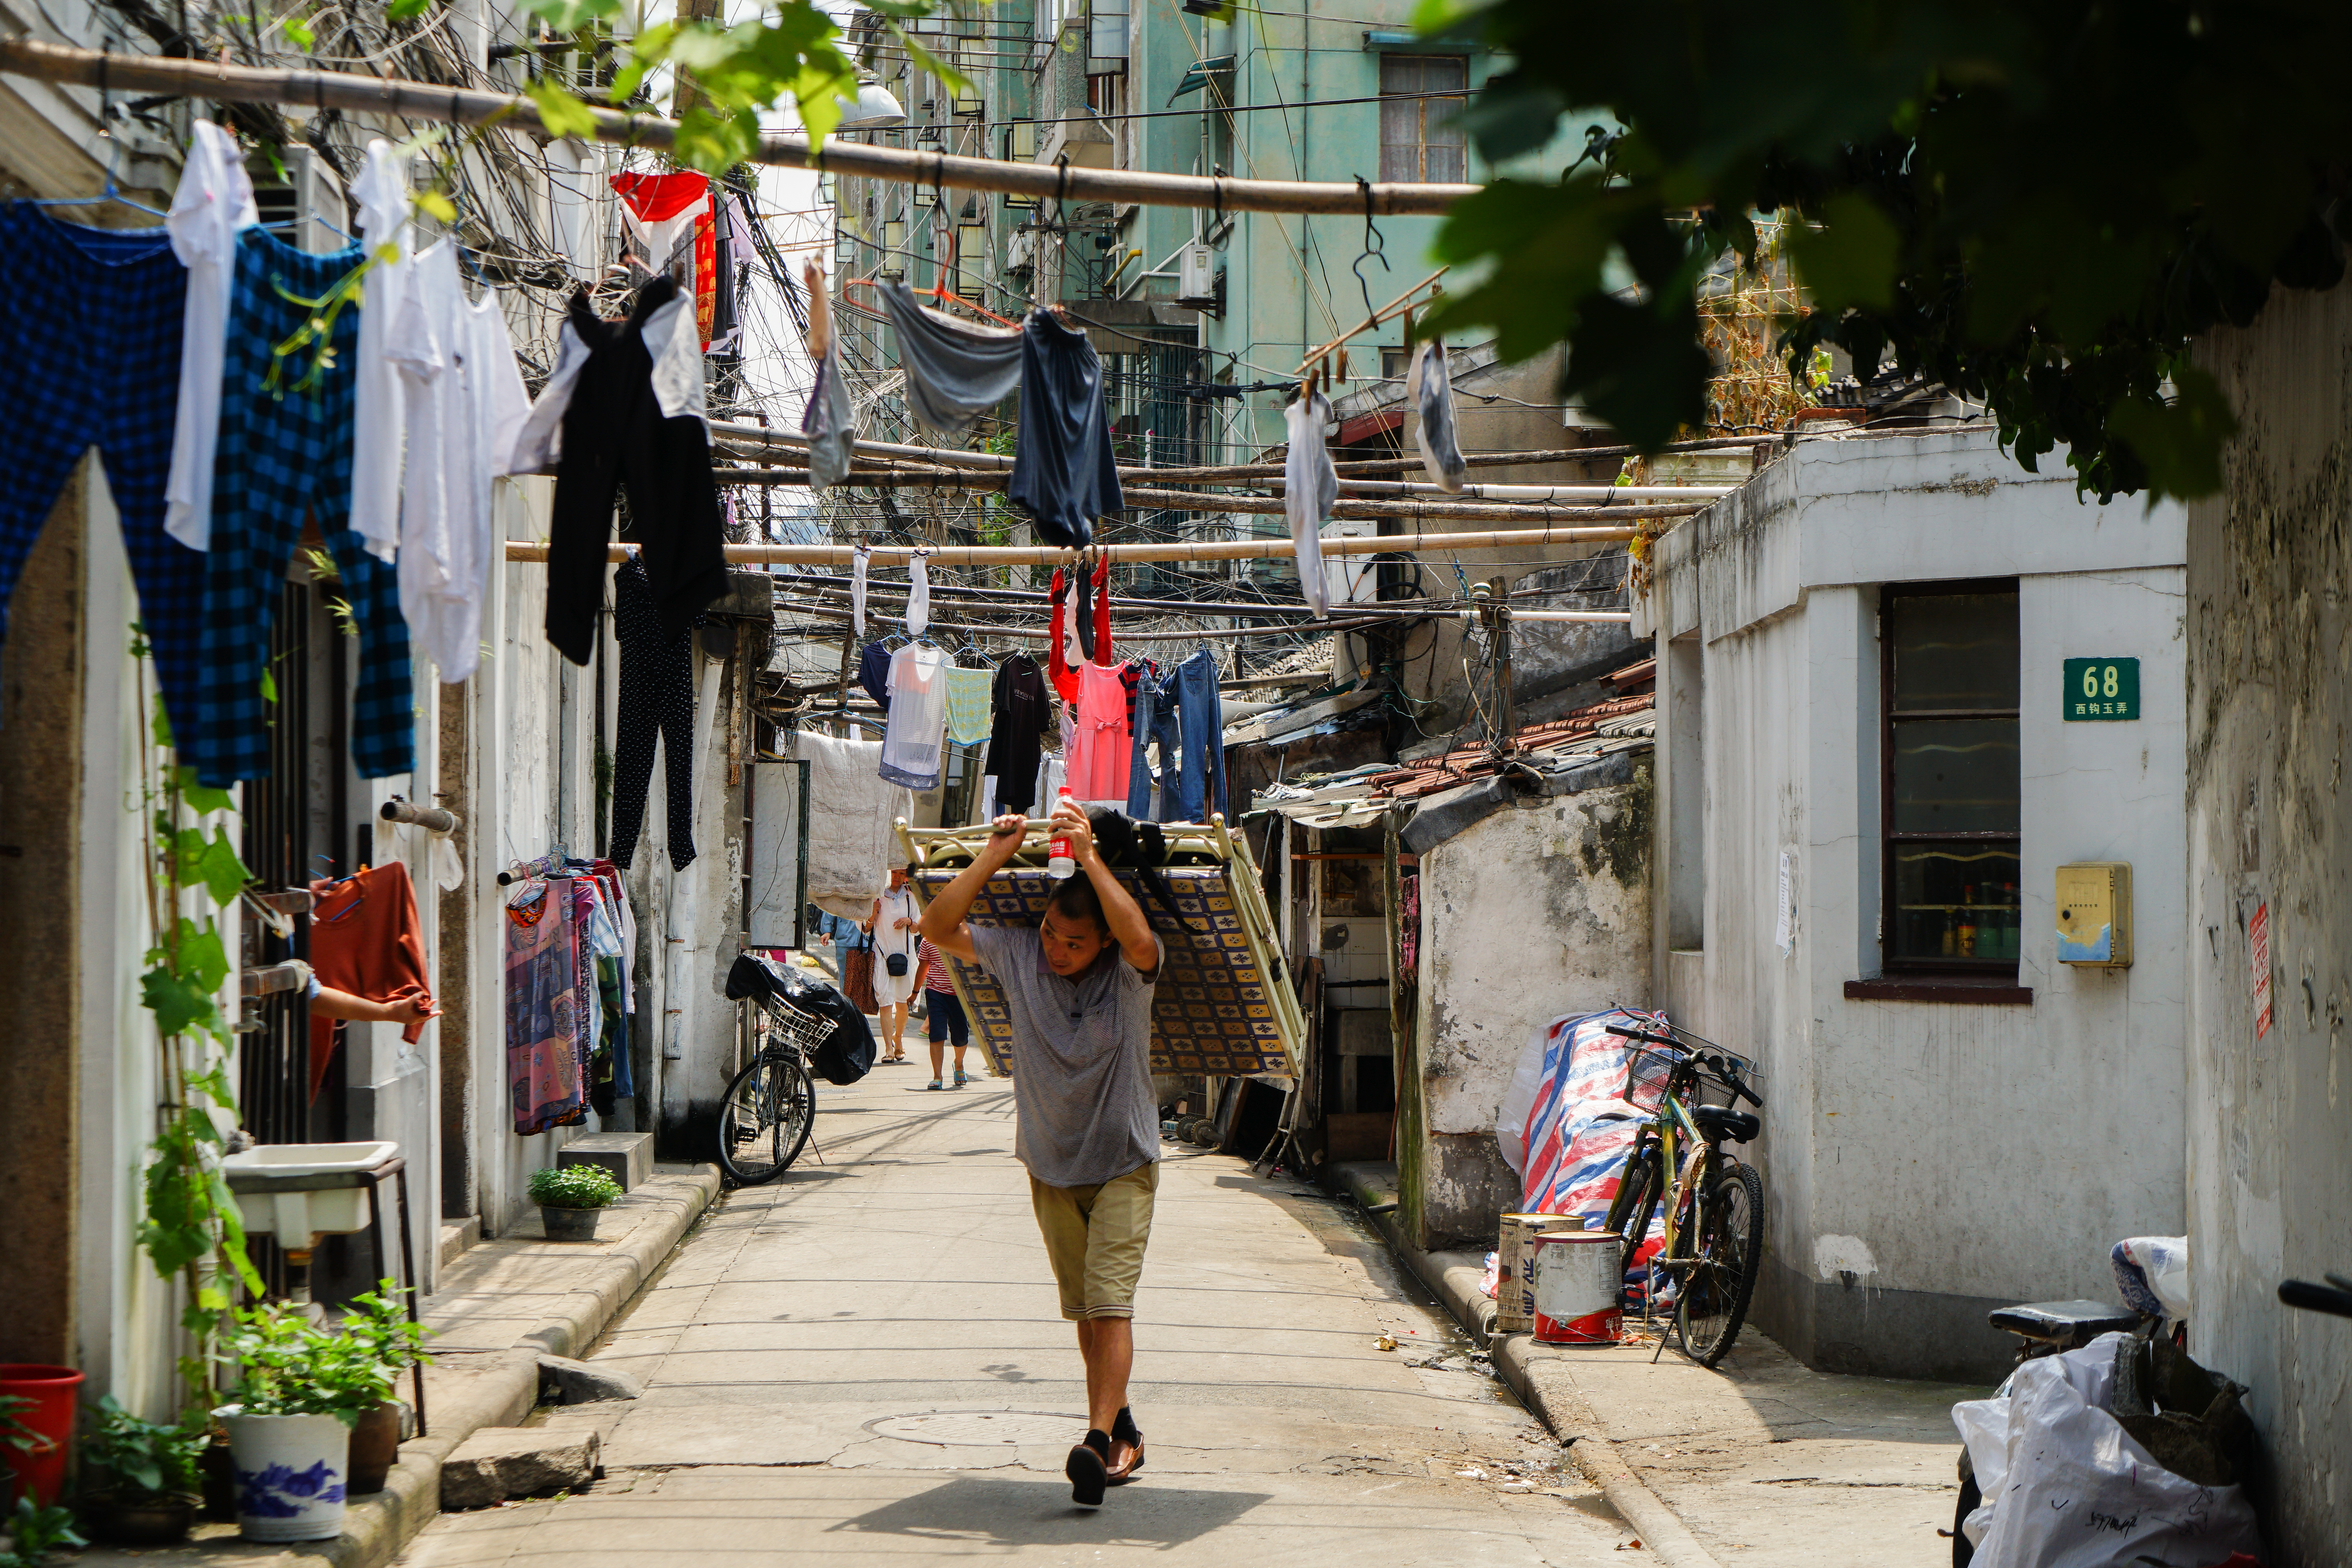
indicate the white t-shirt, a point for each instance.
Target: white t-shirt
{"x":213,"y":201}
{"x":464,"y":406}
{"x":382,"y":190}
{"x":918,"y":716}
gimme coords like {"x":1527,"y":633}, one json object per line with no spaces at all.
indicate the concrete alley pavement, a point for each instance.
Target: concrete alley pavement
{"x":866,"y":1361}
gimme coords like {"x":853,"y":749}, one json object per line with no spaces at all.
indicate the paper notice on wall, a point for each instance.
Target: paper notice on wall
{"x":1784,"y":919}
{"x":2259,"y":935}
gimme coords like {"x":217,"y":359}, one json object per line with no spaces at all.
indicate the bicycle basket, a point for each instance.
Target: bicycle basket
{"x":785,"y":1021}
{"x":1714,"y":1089}
{"x":1648,"y":1071}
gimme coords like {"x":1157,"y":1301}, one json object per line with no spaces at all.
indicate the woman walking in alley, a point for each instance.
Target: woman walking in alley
{"x":894,"y":928}
{"x":943,"y":1012}
{"x":1079,"y":986}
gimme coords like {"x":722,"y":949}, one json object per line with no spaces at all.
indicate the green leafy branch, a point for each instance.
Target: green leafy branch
{"x":192,"y":1229}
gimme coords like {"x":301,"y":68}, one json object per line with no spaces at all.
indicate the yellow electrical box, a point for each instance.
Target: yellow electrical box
{"x":2095,"y":913}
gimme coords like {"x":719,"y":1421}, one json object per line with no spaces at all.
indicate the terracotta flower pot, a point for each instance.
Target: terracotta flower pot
{"x":56,"y":1395}
{"x":569,"y":1225}
{"x":376,"y":1447}
{"x":142,"y":1519}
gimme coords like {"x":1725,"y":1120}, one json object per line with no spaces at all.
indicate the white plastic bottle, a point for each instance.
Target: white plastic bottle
{"x":1058,"y":860}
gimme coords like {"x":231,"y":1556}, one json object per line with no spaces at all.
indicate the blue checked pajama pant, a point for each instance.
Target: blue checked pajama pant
{"x":285,"y":458}
{"x":91,"y":341}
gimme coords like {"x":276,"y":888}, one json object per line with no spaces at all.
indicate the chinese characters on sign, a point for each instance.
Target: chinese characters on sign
{"x":2101,"y":688}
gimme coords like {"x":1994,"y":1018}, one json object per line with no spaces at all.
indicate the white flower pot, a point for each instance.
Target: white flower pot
{"x":291,"y":1473}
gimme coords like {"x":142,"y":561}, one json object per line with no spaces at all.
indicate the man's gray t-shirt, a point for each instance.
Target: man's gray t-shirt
{"x":1081,"y":1060}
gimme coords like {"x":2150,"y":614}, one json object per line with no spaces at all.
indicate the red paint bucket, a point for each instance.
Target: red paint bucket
{"x":1579,"y":1288}
{"x":56,"y":1395}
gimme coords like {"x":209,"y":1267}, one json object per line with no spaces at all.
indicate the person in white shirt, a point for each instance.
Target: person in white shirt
{"x":895,"y":924}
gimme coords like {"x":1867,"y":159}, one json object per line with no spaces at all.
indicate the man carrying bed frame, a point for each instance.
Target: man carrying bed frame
{"x":1088,"y":1128}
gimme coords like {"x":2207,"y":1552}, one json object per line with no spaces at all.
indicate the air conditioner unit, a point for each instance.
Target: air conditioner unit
{"x":1196,"y":275}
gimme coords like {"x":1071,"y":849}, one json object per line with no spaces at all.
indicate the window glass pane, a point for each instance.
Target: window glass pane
{"x":1444,"y":165}
{"x":1954,"y":650}
{"x":1956,"y":901}
{"x":1956,"y":776}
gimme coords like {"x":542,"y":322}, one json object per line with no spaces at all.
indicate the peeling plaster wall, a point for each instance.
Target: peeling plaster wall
{"x":2269,"y":1134}
{"x":1535,"y":911}
{"x":1911,"y":1150}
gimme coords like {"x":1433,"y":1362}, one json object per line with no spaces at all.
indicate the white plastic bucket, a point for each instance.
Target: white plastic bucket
{"x":1579,"y":1287}
{"x":291,"y":1473}
{"x":1515,"y":1294}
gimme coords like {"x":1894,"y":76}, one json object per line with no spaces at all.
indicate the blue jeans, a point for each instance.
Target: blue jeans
{"x":1201,"y":789}
{"x":1155,"y":717}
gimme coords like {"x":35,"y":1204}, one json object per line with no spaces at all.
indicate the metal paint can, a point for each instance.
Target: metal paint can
{"x":1579,"y":1288}
{"x":1515,"y":1294}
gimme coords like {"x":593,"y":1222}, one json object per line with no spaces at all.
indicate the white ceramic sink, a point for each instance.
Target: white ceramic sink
{"x":294,"y":1216}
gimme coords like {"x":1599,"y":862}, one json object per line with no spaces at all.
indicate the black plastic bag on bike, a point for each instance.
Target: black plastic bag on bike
{"x":846,"y":1052}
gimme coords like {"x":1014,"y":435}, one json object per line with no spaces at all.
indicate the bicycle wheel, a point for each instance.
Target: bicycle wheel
{"x":1637,"y":1200}
{"x":1724,"y":1249}
{"x":765,"y":1119}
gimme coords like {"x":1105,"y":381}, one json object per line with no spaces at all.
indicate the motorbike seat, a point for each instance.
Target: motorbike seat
{"x":1718,"y":1121}
{"x":2068,"y":1325}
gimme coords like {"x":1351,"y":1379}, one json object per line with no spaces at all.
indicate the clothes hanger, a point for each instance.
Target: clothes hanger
{"x":111,"y":192}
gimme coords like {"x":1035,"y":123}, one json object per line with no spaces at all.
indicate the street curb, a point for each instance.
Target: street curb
{"x":499,"y":1389}
{"x":1538,"y":1374}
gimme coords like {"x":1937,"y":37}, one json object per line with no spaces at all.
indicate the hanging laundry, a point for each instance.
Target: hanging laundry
{"x":1063,"y":655}
{"x":1018,"y":698}
{"x":669,"y":216}
{"x":465,"y":405}
{"x":967,"y":704}
{"x":213,"y":201}
{"x":1101,"y":741}
{"x":1201,"y":784}
{"x":599,"y":939}
{"x":830,"y":420}
{"x":379,"y":410}
{"x":1064,"y":472}
{"x":285,"y":463}
{"x":365,"y":938}
{"x":1052,"y":775}
{"x":1310,"y":485}
{"x":851,"y":810}
{"x":633,"y":416}
{"x":857,"y":565}
{"x":1430,"y":386}
{"x":955,"y":372}
{"x":656,"y":702}
{"x":873,"y":673}
{"x":544,"y":1086}
{"x":919,"y":592}
{"x":94,"y":323}
{"x":1155,"y":720}
{"x":911,"y":748}
{"x":1085,"y":618}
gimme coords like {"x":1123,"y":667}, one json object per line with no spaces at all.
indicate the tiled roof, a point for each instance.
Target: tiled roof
{"x":1622,"y":720}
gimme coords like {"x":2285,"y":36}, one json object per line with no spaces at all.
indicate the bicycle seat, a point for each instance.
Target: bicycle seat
{"x":2069,"y":1325}
{"x":1718,"y":1121}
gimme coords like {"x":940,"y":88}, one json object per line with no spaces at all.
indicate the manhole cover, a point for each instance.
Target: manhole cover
{"x":980,"y":1428}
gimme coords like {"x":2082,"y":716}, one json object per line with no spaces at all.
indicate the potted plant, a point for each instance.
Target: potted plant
{"x":569,"y":1198}
{"x":378,"y":1325}
{"x":36,"y":1531}
{"x":155,"y":1473}
{"x":300,"y":1389}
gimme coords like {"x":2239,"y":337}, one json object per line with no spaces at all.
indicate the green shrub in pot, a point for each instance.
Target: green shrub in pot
{"x":569,"y":1197}
{"x":300,"y":1389}
{"x":155,"y":1475}
{"x":38,"y":1533}
{"x":378,"y":1324}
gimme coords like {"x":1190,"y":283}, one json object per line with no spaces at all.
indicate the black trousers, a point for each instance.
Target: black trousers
{"x":615,"y":435}
{"x":656,"y":702}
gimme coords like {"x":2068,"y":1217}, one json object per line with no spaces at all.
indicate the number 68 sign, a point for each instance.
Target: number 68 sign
{"x":2101,"y":688}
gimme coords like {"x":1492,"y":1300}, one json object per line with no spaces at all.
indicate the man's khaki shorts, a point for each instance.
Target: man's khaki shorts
{"x":1094,"y":1239}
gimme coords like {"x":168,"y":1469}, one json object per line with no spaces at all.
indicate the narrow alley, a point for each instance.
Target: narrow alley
{"x":865,"y":1362}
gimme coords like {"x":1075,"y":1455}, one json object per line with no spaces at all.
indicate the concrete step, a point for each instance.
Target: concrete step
{"x":500,"y":1462}
{"x":457,"y":1234}
{"x":628,"y":1157}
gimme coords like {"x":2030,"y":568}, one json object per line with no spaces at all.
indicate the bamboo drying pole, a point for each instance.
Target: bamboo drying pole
{"x":1179,"y":550}
{"x":360,"y":94}
{"x":949,"y":478}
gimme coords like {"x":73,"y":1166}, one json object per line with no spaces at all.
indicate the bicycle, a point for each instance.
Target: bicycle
{"x":769,"y":1109}
{"x":1714,"y":1215}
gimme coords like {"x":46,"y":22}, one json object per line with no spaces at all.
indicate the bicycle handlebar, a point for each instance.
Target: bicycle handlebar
{"x":2316,"y":1298}
{"x":1721,"y":1064}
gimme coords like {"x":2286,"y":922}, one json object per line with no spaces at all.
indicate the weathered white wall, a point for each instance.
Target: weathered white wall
{"x":2270,"y":1127}
{"x":1912,"y":1149}
{"x":1535,"y":910}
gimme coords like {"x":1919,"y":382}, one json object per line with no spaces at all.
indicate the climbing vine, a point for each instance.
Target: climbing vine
{"x":191,"y":1230}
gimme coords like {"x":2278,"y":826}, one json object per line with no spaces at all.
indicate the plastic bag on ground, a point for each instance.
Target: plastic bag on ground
{"x":2066,"y":1487}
